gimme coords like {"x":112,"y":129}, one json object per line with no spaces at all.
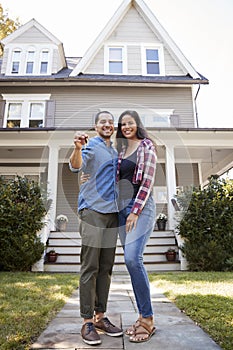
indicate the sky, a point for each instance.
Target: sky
{"x":202,"y":29}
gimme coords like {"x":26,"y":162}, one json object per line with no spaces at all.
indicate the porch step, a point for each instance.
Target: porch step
{"x":68,"y":247}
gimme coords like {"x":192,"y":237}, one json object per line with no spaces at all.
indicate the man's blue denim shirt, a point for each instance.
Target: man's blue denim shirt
{"x":99,"y":193}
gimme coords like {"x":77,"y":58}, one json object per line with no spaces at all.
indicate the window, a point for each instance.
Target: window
{"x":15,"y":62}
{"x":30,"y":62}
{"x":153,"y":60}
{"x":14,"y":115}
{"x":25,"y":110}
{"x":44,"y":62}
{"x":36,"y":117}
{"x":115,"y":60}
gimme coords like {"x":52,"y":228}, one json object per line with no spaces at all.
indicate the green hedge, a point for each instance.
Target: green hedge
{"x":21,"y":212}
{"x":207,"y":226}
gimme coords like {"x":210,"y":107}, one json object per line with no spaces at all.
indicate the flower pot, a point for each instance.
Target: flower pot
{"x":52,"y":257}
{"x":161,"y":225}
{"x":61,"y":225}
{"x":171,"y":256}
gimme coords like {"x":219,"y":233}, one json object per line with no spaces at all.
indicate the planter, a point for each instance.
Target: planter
{"x":161,"y":225}
{"x":171,"y":256}
{"x":61,"y":225}
{"x":52,"y":257}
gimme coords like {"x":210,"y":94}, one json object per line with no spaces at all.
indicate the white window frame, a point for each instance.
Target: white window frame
{"x":23,"y":171}
{"x":107,"y":58}
{"x":161,"y":59}
{"x":28,"y":60}
{"x":24,"y":49}
{"x":26,"y":100}
{"x":147,"y":115}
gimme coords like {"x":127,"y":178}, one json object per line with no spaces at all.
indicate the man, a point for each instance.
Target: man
{"x":98,"y":213}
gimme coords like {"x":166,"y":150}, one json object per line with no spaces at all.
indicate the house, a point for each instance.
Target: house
{"x":133,"y":64}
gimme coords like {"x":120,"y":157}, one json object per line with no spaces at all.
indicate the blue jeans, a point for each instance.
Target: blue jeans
{"x":134,"y":244}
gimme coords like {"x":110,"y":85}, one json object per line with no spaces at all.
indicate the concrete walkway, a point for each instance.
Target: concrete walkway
{"x":175,"y":331}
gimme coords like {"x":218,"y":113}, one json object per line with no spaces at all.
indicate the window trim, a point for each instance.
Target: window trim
{"x":24,"y":49}
{"x":107,"y":58}
{"x":26,"y":100}
{"x":158,"y":47}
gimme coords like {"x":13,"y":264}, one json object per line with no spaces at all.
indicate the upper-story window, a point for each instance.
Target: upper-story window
{"x":44,"y":62}
{"x":115,"y":60}
{"x":30,"y":61}
{"x":16,"y":57}
{"x":35,"y":60}
{"x":25,"y":110}
{"x":152,"y":60}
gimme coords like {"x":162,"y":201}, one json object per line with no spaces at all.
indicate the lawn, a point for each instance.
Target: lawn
{"x":28,"y":301}
{"x":206,"y":297}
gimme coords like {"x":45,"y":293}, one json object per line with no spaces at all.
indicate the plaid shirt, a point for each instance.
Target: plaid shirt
{"x":144,"y":173}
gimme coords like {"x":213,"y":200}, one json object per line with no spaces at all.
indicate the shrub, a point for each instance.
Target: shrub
{"x":207,"y":226}
{"x":21,"y":212}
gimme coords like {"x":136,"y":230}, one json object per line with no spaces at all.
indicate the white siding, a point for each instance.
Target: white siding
{"x":32,"y":36}
{"x":134,"y":32}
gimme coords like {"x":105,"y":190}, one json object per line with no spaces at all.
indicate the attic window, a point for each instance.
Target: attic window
{"x":153,"y":60}
{"x":44,"y":62}
{"x":30,"y":62}
{"x":115,"y":60}
{"x":15,"y":62}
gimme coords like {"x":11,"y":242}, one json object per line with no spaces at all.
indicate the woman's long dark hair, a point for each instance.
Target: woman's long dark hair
{"x":141,"y":131}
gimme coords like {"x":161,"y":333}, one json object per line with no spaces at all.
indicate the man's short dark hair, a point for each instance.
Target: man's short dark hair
{"x":102,"y":112}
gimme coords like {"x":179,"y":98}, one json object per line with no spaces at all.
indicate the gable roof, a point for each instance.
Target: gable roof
{"x":43,"y":30}
{"x":155,"y":26}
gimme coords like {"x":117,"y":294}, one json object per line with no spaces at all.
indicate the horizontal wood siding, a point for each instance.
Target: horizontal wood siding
{"x":67,"y":195}
{"x":133,"y":28}
{"x":187,"y":174}
{"x":134,"y":60}
{"x":76,"y":106}
{"x":171,"y":66}
{"x":97,"y":65}
{"x":32,"y":36}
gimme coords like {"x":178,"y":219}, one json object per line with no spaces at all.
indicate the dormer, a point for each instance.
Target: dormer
{"x":134,"y":43}
{"x":32,"y":51}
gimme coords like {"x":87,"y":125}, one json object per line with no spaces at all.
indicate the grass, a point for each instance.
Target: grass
{"x":28,"y":301}
{"x":206,"y":297}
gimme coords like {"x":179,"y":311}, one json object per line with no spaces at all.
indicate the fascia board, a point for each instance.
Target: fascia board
{"x":27,"y":26}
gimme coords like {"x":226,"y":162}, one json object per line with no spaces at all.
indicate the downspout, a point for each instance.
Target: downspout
{"x":195,"y":105}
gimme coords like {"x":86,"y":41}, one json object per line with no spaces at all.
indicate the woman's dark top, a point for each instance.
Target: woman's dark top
{"x":127,"y":188}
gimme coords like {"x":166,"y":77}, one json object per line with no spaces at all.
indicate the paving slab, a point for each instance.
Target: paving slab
{"x":174,"y":329}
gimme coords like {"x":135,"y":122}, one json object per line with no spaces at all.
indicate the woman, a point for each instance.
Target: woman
{"x":135,"y":174}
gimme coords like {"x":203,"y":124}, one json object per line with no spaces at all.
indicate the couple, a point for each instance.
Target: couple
{"x":117,"y":197}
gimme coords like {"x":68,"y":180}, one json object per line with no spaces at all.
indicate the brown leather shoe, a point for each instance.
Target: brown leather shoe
{"x":105,"y":326}
{"x":89,"y":334}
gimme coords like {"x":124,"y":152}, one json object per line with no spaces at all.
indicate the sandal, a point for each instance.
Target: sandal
{"x":142,"y":333}
{"x":131,"y":330}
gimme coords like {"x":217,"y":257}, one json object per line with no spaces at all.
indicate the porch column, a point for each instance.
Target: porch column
{"x":52,"y":182}
{"x":171,"y":183}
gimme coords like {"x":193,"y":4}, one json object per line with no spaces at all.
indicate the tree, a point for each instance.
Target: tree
{"x":7,"y":26}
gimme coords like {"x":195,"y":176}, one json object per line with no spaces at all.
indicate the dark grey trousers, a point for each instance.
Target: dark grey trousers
{"x":99,"y":235}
